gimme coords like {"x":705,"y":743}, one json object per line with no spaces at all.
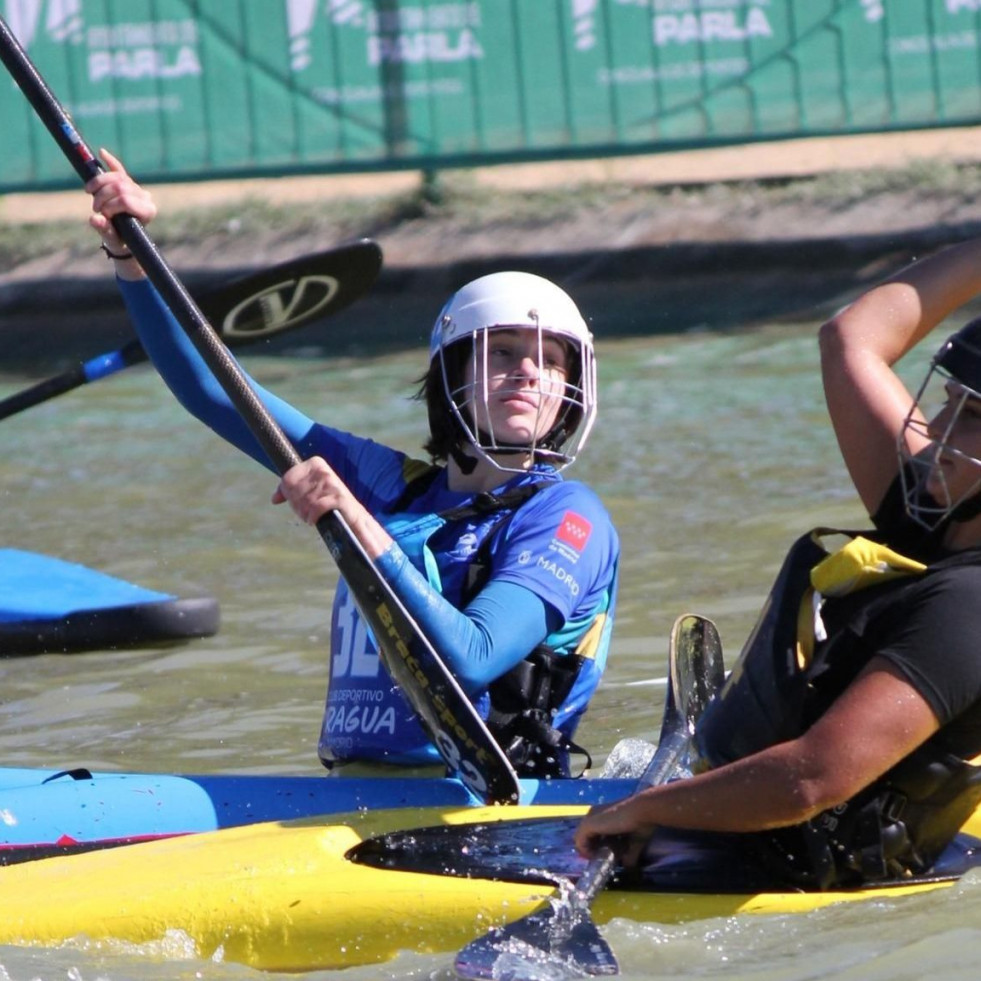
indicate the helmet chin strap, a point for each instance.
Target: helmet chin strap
{"x":485,"y":441}
{"x":467,"y":464}
{"x":967,"y":510}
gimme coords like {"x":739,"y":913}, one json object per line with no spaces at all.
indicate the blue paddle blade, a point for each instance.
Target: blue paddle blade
{"x":558,"y":943}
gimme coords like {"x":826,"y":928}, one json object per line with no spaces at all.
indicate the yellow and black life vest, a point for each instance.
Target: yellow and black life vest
{"x":901,"y":822}
{"x":761,"y":703}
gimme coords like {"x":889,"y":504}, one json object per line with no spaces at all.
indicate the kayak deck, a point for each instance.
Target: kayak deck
{"x":285,"y":896}
{"x":48,"y":605}
{"x":49,"y":812}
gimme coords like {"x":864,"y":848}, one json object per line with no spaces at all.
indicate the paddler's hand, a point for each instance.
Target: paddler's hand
{"x":616,"y":825}
{"x":312,"y":488}
{"x":114,"y":192}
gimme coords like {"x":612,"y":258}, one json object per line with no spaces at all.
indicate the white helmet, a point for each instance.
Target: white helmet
{"x":517,"y":300}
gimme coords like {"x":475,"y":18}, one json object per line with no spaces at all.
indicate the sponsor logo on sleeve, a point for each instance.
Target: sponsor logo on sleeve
{"x":563,"y":575}
{"x":571,"y":536}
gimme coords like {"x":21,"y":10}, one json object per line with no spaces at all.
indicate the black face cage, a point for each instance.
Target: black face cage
{"x":919,"y":472}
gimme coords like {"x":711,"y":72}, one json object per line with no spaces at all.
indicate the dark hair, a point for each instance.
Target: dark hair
{"x":444,"y":428}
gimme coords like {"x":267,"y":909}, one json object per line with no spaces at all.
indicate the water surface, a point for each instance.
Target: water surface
{"x":712,"y":451}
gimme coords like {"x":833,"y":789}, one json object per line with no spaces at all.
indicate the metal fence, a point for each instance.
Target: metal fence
{"x":196,"y":89}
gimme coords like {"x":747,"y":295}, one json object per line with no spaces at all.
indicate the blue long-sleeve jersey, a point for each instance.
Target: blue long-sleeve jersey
{"x":552,"y":563}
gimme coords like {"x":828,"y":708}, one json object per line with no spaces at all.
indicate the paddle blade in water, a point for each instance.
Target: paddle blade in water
{"x":556,"y":944}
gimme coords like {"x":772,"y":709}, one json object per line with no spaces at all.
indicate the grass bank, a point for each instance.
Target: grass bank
{"x":454,"y":206}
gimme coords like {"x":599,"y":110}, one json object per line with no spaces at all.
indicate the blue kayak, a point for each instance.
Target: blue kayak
{"x":49,"y":812}
{"x":49,"y":605}
{"x":336,"y":892}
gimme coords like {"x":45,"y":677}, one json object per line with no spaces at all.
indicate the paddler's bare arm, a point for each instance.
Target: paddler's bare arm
{"x":867,"y":401}
{"x":879,"y":720}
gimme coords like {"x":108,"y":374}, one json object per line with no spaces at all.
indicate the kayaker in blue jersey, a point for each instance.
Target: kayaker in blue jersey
{"x":838,"y":750}
{"x":510,"y":570}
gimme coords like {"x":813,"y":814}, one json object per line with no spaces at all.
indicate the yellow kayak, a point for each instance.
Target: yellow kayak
{"x":283,"y":895}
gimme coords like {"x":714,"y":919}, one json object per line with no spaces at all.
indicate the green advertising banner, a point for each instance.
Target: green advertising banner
{"x":192,"y":89}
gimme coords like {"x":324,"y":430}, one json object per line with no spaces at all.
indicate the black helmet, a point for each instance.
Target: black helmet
{"x":959,"y":361}
{"x":960,"y":356}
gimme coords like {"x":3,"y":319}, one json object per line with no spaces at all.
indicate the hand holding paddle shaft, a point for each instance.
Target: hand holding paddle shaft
{"x":561,"y":941}
{"x":443,"y":708}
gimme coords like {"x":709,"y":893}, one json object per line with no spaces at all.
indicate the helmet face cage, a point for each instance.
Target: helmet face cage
{"x":461,"y":338}
{"x":572,"y":406}
{"x":940,"y":391}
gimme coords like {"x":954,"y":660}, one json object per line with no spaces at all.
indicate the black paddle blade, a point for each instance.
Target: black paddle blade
{"x":557,"y":943}
{"x":697,"y":670}
{"x":292,"y":293}
{"x":250,"y":308}
{"x":447,"y":715}
{"x":538,"y":850}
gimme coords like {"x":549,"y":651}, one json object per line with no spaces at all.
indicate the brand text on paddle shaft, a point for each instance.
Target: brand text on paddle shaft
{"x":445,"y":714}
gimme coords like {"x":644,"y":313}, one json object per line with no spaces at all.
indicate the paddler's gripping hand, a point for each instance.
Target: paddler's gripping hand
{"x":616,"y":826}
{"x":114,"y":192}
{"x":312,"y":488}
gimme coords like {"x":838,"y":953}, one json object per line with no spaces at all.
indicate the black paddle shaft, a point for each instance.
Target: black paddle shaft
{"x":53,"y":115}
{"x":129,"y":354}
{"x":449,"y":717}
